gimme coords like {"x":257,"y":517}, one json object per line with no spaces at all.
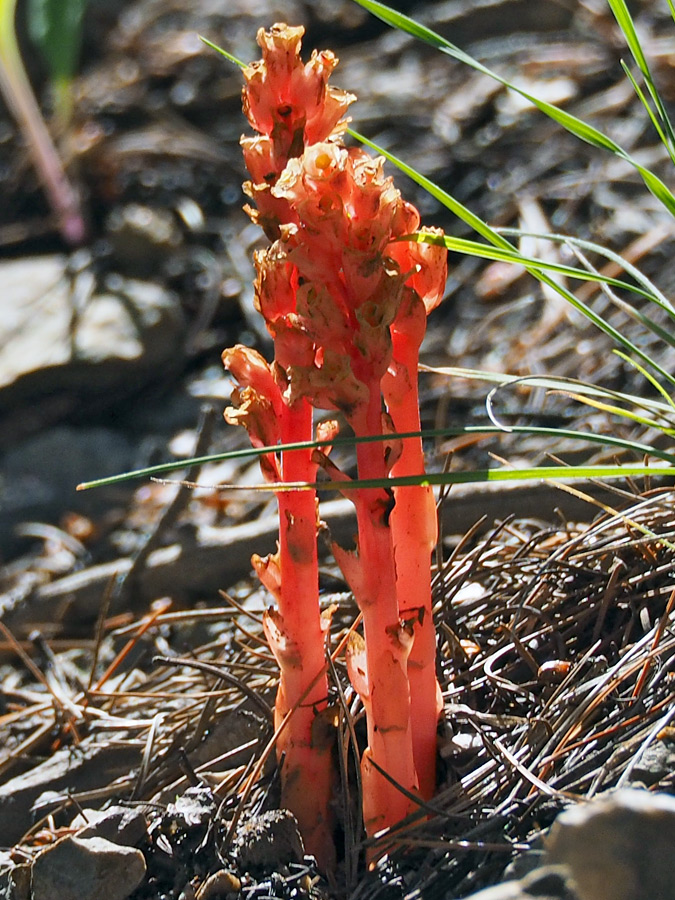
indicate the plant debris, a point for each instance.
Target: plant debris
{"x":561,"y":684}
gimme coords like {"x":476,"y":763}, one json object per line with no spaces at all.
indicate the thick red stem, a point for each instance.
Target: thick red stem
{"x":414,"y":529}
{"x":307,"y":769}
{"x":386,"y":647}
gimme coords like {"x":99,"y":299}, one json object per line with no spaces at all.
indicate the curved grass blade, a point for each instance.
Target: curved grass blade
{"x":484,"y":229}
{"x":253,"y":452}
{"x":654,"y":383}
{"x":557,"y":383}
{"x":650,"y":112}
{"x":653,"y":293}
{"x":668,"y":337}
{"x":473,"y":248}
{"x":569,"y":122}
{"x":620,"y":411}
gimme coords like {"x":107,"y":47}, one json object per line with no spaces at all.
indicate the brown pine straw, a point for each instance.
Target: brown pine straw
{"x":565,"y":679}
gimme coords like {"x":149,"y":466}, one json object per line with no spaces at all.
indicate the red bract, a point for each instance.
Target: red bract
{"x":288,"y":100}
{"x":346,"y":303}
{"x":291,"y":106}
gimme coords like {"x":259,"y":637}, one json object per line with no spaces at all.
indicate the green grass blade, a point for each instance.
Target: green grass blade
{"x":654,"y":383}
{"x":622,"y":412}
{"x":574,"y":125}
{"x":666,"y":335}
{"x":652,"y":292}
{"x":668,"y":144}
{"x":228,"y":56}
{"x":475,"y":476}
{"x":254,"y":452}
{"x":656,"y":186}
{"x":55,"y":27}
{"x":558,"y":383}
{"x":627,"y":26}
{"x":473,"y":248}
{"x":458,"y":209}
{"x":490,"y":234}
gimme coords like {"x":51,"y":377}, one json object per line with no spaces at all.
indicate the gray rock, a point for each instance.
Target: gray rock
{"x":195,"y":808}
{"x":546,"y":883}
{"x":618,"y":847}
{"x":39,"y":475}
{"x":82,"y":769}
{"x":14,"y":879}
{"x":68,"y":345}
{"x":61,"y":335}
{"x":657,"y":762}
{"x":87,"y":869}
{"x":122,"y":825}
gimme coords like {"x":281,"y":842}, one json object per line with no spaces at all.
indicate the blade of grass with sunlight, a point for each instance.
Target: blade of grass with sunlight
{"x":580,"y":129}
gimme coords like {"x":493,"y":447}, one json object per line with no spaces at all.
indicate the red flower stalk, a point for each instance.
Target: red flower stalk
{"x":353,"y":295}
{"x":347,"y":310}
{"x":291,"y":106}
{"x":413,"y":519}
{"x":296,"y":630}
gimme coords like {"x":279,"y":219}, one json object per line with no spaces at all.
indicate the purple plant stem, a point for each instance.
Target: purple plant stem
{"x":20,"y":99}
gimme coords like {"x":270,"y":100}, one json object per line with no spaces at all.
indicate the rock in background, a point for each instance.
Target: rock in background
{"x":617,"y":847}
{"x":68,"y":345}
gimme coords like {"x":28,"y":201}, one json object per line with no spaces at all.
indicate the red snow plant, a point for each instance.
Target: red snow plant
{"x":345,"y":302}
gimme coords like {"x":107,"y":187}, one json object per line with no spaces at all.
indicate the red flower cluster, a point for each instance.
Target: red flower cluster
{"x":345,"y":300}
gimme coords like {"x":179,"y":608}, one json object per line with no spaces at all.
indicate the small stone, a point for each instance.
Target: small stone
{"x":656,"y":763}
{"x":14,"y":880}
{"x":219,"y":886}
{"x":86,"y":869}
{"x":185,"y":825}
{"x":194,"y":809}
{"x":545,"y":883}
{"x":618,"y":847}
{"x":122,"y":825}
{"x":268,"y":842}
